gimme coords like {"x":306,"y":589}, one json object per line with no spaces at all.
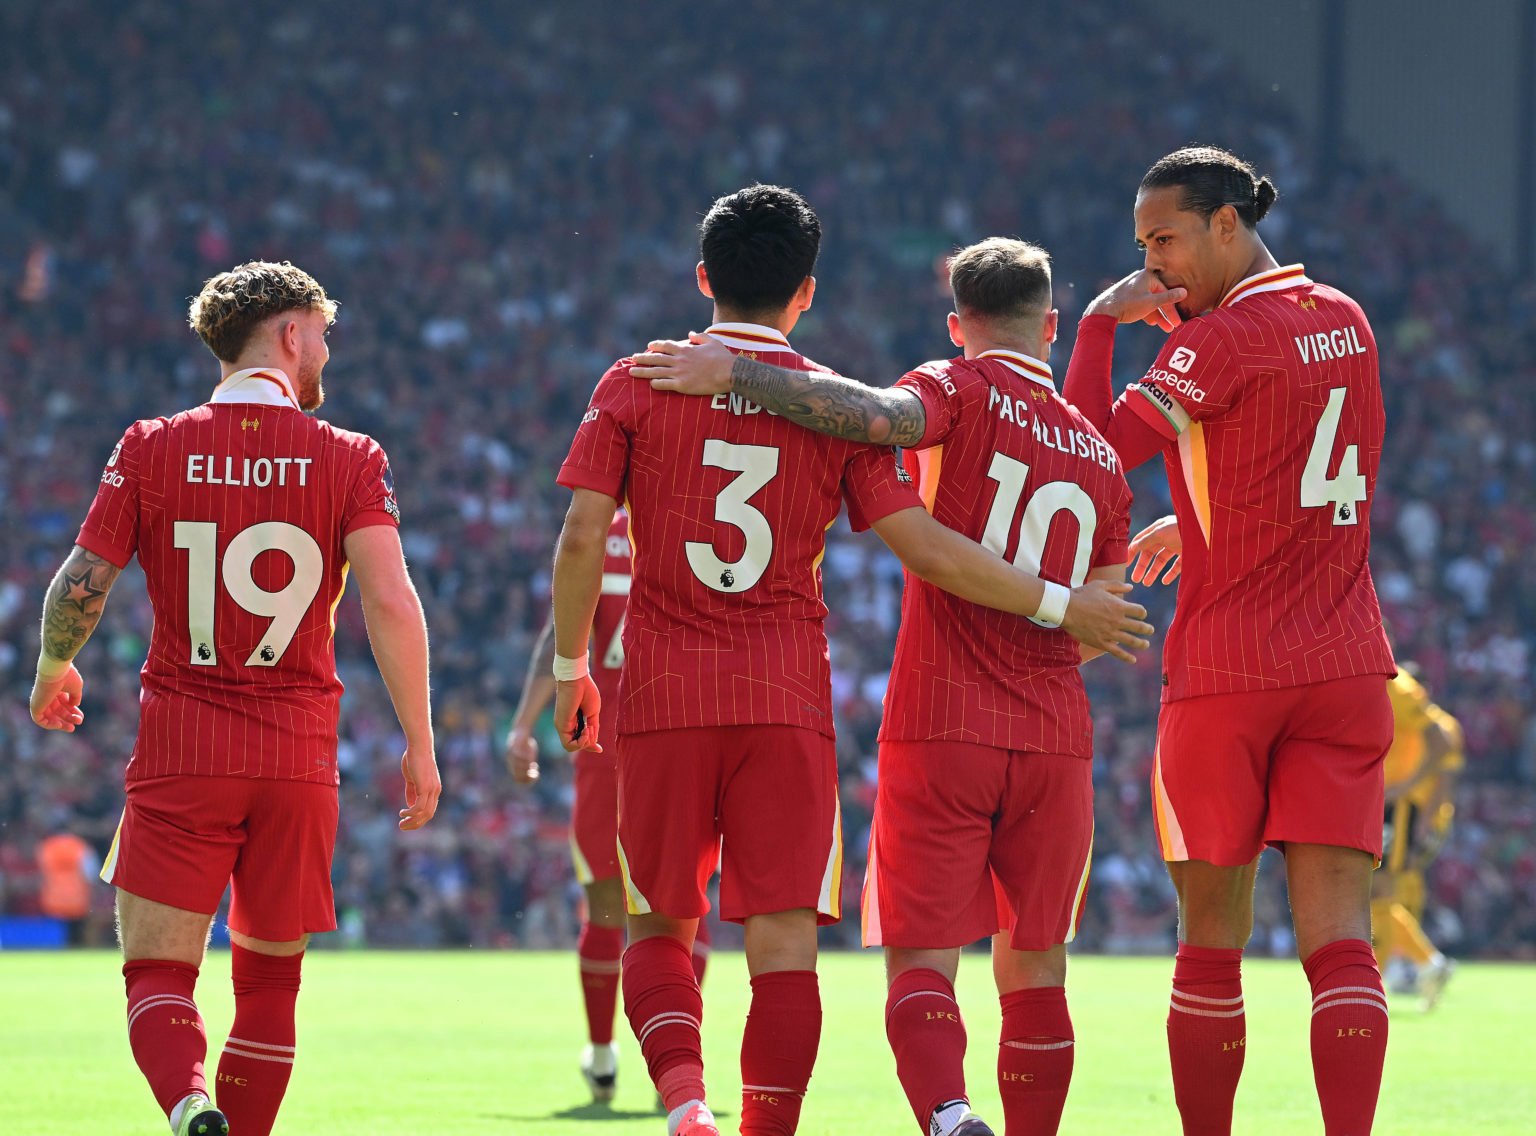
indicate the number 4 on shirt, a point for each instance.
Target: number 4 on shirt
{"x":1343,"y":492}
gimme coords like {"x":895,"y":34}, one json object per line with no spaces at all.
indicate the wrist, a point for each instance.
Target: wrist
{"x":50,"y":669}
{"x":1097,"y":319}
{"x":569,"y":670}
{"x":1053,"y":605}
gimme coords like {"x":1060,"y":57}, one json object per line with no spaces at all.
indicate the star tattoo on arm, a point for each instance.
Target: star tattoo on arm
{"x":75,"y":602}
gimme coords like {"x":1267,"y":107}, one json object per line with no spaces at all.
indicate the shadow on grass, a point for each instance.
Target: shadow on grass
{"x":585,"y":1112}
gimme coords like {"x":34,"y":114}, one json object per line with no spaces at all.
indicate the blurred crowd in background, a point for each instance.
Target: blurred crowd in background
{"x":504,"y":201}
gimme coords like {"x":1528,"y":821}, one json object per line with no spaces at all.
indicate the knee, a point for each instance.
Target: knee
{"x":784,"y":940}
{"x":252,"y":970}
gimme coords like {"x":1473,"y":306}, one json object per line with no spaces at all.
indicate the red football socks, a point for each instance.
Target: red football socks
{"x":1034,"y":1060}
{"x":1207,"y":1036}
{"x":599,"y":950}
{"x":778,"y":1051}
{"x":927,"y":1035}
{"x":165,"y":1028}
{"x":258,"y":1057}
{"x":662,"y":1002}
{"x":701,"y":950}
{"x":1349,"y":1034}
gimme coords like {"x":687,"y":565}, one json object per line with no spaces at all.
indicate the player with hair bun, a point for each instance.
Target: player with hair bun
{"x":1266,"y":406}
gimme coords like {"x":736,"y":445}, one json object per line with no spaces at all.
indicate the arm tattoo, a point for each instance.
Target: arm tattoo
{"x":831,"y":404}
{"x":75,"y":602}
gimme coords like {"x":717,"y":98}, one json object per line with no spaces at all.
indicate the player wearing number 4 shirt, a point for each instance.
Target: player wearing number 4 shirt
{"x":725,"y":703}
{"x":1266,"y":405}
{"x":245,"y":514}
{"x":984,"y":816}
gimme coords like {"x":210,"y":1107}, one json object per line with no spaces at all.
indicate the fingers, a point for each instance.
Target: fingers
{"x":697,"y":337}
{"x":667,"y":384}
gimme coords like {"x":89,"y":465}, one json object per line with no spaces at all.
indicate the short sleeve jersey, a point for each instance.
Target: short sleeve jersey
{"x":608,"y":622}
{"x":1007,"y":462}
{"x":1271,"y":405}
{"x":728,"y":510}
{"x":237,"y":510}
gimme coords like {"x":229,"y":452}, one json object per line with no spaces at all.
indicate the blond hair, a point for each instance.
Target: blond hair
{"x":233,"y":304}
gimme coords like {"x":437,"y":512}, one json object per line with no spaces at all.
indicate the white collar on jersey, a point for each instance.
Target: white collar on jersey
{"x":1275,"y":280}
{"x":266,"y":386}
{"x":1036,"y":370}
{"x":749,"y":336}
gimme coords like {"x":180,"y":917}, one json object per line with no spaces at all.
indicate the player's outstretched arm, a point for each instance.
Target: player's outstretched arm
{"x":73,"y":607}
{"x":828,"y":404}
{"x":397,"y":632}
{"x":1095,"y":614}
{"x":578,"y":583}
{"x":522,"y":751}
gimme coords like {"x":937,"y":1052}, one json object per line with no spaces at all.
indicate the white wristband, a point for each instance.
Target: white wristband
{"x":49,"y":668}
{"x":1053,"y":605}
{"x":568,"y":670}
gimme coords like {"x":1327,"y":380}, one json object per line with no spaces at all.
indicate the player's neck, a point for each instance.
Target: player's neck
{"x":975,"y":346}
{"x":782,"y":322}
{"x":259,"y":362}
{"x":1262,"y":260}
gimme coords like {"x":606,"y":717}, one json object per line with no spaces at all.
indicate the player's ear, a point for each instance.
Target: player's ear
{"x":1052,"y":322}
{"x":1225,"y":222}
{"x":806,"y":293}
{"x":703,"y":279}
{"x":956,"y":332}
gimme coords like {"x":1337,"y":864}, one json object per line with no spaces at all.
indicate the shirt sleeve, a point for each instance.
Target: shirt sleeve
{"x":1194,"y":378}
{"x":941,"y":399}
{"x":111,"y":528}
{"x":599,"y":454}
{"x":875,"y":485}
{"x":372,"y":500}
{"x":1114,"y":544}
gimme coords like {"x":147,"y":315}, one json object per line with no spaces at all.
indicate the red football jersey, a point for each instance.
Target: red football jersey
{"x":608,"y":622}
{"x":1272,"y":407}
{"x":728,"y":510}
{"x":237,"y":510}
{"x":1010,"y":464}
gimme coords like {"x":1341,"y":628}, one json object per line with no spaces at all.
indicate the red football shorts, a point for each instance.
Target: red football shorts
{"x":1235,"y":772}
{"x":759,"y":800}
{"x":595,"y":816}
{"x":970,"y":839}
{"x":183,"y":839}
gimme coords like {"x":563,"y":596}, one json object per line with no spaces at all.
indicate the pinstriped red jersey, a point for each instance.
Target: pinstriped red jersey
{"x":608,"y":621}
{"x":1010,"y":464}
{"x":237,"y":510}
{"x":1271,"y":404}
{"x":729,"y":507}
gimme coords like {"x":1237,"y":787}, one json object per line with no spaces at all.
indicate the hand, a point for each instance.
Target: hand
{"x":1157,"y":546}
{"x":423,"y":786}
{"x":1140,"y":296}
{"x":56,"y":701}
{"x":1099,"y":619}
{"x":701,"y":366}
{"x":522,"y":756}
{"x":577,"y":706}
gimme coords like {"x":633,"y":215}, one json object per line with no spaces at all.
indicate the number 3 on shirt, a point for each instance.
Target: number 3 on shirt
{"x":285,"y":607}
{"x":1344,"y":492}
{"x":757,"y":466}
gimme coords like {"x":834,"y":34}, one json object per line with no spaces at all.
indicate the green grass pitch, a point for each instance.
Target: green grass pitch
{"x":488,"y":1043}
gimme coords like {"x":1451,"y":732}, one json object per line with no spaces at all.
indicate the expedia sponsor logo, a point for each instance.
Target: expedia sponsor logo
{"x":1182,"y":360}
{"x":113,"y":478}
{"x":590,"y":415}
{"x":1176,"y":383}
